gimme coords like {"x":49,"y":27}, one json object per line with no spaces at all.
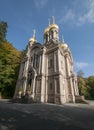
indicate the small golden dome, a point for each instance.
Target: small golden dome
{"x":32,"y":39}
{"x":46,"y":30}
{"x":64,"y":45}
{"x":54,"y":26}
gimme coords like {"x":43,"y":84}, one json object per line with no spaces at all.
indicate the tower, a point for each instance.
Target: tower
{"x":51,"y":33}
{"x":48,"y":70}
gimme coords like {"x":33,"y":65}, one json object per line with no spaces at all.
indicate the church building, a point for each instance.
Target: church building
{"x":47,"y":70}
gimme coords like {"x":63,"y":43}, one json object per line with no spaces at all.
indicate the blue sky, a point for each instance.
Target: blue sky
{"x":75,"y":19}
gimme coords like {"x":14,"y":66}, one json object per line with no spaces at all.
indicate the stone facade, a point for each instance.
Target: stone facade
{"x":47,"y":70}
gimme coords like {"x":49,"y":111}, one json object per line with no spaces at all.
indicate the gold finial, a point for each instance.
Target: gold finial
{"x":63,"y":39}
{"x":53,"y":19}
{"x":49,"y":22}
{"x":34,"y":33}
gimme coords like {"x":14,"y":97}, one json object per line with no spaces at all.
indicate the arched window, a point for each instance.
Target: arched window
{"x":35,"y":60}
{"x":51,"y":34}
{"x":46,"y":38}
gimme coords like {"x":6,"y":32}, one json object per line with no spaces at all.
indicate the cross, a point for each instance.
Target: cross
{"x":34,"y":33}
{"x":53,"y":19}
{"x":62,"y":38}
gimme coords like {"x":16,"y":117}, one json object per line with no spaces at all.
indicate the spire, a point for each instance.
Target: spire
{"x":64,"y":45}
{"x":63,"y":39}
{"x":53,"y":19}
{"x":33,"y":38}
{"x":48,"y":22}
{"x":34,"y":33}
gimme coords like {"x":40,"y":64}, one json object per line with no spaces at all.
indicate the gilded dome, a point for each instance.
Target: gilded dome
{"x":54,"y":26}
{"x":47,"y":29}
{"x":32,"y":39}
{"x":64,"y":45}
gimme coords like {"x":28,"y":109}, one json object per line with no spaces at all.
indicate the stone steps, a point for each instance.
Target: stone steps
{"x":80,"y":99}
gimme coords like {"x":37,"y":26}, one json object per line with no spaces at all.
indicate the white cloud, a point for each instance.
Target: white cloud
{"x":79,"y":15}
{"x":80,"y":65}
{"x":87,"y":17}
{"x":40,"y":3}
{"x":69,"y":15}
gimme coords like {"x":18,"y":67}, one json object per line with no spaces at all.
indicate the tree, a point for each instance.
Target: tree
{"x":80,"y":73}
{"x":10,"y":59}
{"x":82,"y":86}
{"x":90,"y":84}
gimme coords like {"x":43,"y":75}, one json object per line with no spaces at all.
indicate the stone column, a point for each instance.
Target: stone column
{"x":62,"y":90}
{"x":46,"y":81}
{"x":46,"y":89}
{"x":43,"y":78}
{"x":43,"y":64}
{"x":33,"y":84}
{"x":72,"y":89}
{"x":25,"y":76}
{"x":59,"y":61}
{"x":24,"y":85}
{"x":55,"y":62}
{"x":67,"y":65}
{"x":69,"y":80}
{"x":40,"y":65}
{"x":43,"y":89}
{"x":75,"y":87}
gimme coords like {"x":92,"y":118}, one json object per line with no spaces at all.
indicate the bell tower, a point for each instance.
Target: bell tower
{"x":51,"y":33}
{"x":54,"y":31}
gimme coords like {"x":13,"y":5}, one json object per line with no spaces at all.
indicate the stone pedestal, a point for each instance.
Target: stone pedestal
{"x":80,"y":99}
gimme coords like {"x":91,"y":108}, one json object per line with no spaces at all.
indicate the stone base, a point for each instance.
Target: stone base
{"x":71,"y":99}
{"x":57,"y":100}
{"x":80,"y":99}
{"x":24,"y":99}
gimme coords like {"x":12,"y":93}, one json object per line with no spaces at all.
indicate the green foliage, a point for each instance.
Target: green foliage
{"x":82,"y":87}
{"x":86,"y":86}
{"x":90,"y":84}
{"x":9,"y":66}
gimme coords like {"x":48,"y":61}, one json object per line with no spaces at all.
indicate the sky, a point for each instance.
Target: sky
{"x":75,"y":19}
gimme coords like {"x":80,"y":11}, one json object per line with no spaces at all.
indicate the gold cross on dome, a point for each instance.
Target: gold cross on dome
{"x":53,"y":19}
{"x":62,"y":38}
{"x":34,"y":33}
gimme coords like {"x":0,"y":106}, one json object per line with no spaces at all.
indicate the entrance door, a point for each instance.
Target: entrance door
{"x":50,"y":92}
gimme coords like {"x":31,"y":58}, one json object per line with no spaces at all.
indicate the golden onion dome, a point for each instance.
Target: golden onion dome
{"x":64,"y":45}
{"x":47,"y":29}
{"x":32,"y":39}
{"x":54,"y":26}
